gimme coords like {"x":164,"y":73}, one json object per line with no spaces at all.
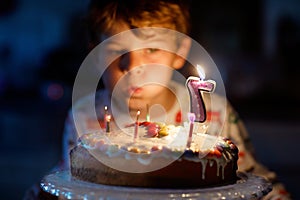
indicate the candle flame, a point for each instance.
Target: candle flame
{"x":200,"y":72}
{"x":105,"y":110}
{"x":137,"y":115}
{"x":108,"y":118}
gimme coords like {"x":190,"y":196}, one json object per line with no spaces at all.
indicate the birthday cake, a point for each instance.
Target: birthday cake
{"x":161,"y":156}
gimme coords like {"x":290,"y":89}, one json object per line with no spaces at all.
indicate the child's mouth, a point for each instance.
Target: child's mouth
{"x":134,"y":91}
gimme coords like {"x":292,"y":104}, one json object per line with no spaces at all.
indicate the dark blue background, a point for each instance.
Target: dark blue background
{"x":255,"y":44}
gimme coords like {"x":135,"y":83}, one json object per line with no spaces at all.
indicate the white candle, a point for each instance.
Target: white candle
{"x":191,"y":117}
{"x":136,"y":126}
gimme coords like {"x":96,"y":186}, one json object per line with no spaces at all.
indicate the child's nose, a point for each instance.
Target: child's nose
{"x":132,"y":62}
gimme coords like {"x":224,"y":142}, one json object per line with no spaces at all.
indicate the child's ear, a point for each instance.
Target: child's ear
{"x":182,"y":52}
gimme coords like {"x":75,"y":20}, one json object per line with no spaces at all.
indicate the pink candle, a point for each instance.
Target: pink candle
{"x":191,"y":117}
{"x":136,"y":126}
{"x":197,"y":85}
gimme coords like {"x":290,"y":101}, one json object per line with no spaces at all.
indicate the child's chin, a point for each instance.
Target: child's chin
{"x":136,"y":104}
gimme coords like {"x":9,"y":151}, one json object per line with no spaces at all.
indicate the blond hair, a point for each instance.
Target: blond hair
{"x":169,"y":14}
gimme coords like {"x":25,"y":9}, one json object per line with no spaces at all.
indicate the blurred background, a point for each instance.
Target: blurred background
{"x":255,"y":44}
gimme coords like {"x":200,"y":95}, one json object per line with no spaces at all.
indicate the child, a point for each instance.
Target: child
{"x":108,"y":18}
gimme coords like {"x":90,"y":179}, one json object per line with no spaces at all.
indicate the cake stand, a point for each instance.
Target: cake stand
{"x":61,"y":184}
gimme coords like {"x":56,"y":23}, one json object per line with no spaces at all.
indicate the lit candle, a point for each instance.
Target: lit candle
{"x":148,"y":114}
{"x":191,"y":117}
{"x":107,"y":124}
{"x":136,"y":126}
{"x":197,"y":85}
{"x":105,"y":110}
{"x":105,"y":118}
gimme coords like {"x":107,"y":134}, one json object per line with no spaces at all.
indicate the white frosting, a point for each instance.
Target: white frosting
{"x":175,"y":140}
{"x":173,"y":146}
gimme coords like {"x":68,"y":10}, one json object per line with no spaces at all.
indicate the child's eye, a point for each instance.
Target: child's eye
{"x":151,"y":50}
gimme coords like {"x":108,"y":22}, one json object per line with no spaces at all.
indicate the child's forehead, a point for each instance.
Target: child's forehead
{"x":143,"y":38}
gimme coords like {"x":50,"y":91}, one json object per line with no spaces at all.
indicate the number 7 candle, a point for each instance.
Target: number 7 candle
{"x":197,"y":85}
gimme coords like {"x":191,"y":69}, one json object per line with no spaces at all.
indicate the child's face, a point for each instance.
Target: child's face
{"x":141,"y":76}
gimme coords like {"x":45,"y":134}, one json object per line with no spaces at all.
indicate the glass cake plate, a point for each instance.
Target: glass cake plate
{"x":62,"y":185}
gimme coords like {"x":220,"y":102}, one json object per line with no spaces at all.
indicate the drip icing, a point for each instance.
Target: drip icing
{"x":169,"y":147}
{"x":211,"y":163}
{"x":223,"y":172}
{"x":203,"y":163}
{"x":145,"y":161}
{"x":218,"y":167}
